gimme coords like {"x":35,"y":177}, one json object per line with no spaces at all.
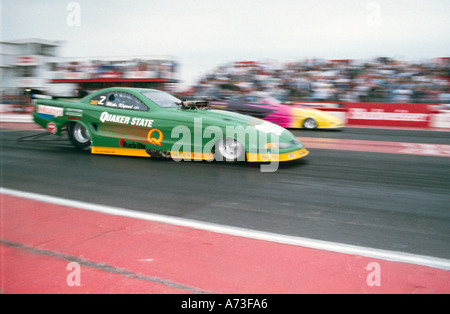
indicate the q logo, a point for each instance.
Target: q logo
{"x":155,"y":140}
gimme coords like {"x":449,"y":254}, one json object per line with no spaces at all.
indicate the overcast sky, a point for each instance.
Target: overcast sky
{"x":203,"y":34}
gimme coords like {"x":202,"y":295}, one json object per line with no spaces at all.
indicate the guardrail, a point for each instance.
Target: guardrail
{"x":386,"y":114}
{"x":361,"y":114}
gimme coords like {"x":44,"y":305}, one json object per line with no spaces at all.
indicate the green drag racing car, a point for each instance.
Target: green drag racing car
{"x":153,"y":123}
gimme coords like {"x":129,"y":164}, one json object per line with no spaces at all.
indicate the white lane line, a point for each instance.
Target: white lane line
{"x":393,"y":256}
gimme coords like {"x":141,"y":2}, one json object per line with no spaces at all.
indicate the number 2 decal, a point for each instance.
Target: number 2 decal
{"x":102,"y":99}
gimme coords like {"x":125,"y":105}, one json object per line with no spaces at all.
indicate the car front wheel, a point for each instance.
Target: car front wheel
{"x":309,"y":123}
{"x":229,"y":149}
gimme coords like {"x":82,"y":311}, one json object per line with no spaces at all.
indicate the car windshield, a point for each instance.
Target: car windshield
{"x":272,"y":101}
{"x":263,"y":100}
{"x":162,"y":99}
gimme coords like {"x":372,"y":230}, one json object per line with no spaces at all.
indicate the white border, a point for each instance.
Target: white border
{"x":393,"y":256}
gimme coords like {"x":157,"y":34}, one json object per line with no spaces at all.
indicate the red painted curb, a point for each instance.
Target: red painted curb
{"x":421,"y":149}
{"x":126,"y":255}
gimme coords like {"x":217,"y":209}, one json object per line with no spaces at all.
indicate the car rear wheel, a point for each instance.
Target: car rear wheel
{"x":229,"y":149}
{"x":309,"y":123}
{"x":79,"y":136}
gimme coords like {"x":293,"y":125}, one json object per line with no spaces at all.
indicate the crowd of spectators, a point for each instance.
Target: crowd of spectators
{"x":148,"y":68}
{"x":87,"y":68}
{"x":378,"y":80}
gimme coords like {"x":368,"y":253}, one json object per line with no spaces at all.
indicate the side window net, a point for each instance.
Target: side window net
{"x":119,"y":100}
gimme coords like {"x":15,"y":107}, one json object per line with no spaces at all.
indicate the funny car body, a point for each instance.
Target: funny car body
{"x":270,"y":109}
{"x":153,"y":123}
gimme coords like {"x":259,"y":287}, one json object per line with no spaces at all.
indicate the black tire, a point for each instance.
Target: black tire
{"x":79,"y":136}
{"x":309,"y":123}
{"x":229,"y":149}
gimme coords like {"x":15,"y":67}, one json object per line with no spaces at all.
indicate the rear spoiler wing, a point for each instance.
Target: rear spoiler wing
{"x":42,"y":96}
{"x":39,"y":96}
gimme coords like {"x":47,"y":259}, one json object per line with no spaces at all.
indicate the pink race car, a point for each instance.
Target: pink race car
{"x":272,"y":110}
